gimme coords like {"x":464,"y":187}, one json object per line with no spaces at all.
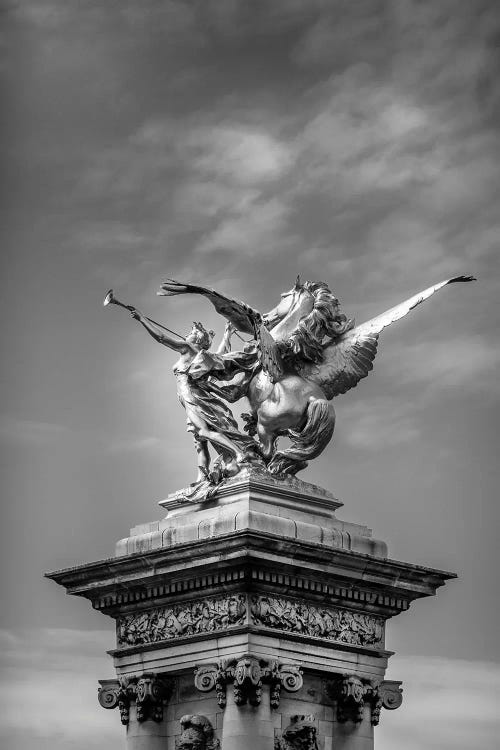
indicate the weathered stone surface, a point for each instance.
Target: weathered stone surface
{"x":254,"y":500}
{"x":258,"y":614}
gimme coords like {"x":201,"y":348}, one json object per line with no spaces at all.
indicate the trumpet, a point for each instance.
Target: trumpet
{"x":110,"y":299}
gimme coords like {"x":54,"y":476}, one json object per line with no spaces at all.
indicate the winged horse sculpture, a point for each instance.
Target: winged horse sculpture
{"x":309,"y":352}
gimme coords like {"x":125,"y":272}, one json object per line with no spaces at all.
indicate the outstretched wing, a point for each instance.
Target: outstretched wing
{"x":243,"y":317}
{"x":350,"y":358}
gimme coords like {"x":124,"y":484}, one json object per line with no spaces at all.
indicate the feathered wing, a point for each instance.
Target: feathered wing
{"x":350,"y":358}
{"x":243,"y":317}
{"x":269,"y":354}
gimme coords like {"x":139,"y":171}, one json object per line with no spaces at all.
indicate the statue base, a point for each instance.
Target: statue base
{"x":256,"y":614}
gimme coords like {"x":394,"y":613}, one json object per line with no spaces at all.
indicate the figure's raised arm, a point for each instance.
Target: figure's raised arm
{"x":160,"y":334}
{"x":225,"y":344}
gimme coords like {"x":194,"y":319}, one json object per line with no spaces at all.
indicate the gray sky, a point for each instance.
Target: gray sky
{"x":237,"y":144}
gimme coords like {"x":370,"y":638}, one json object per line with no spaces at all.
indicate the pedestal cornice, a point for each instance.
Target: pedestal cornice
{"x":258,"y":599}
{"x":244,"y":556}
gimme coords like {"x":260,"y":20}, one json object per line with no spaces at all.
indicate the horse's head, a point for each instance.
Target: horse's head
{"x":294,"y":305}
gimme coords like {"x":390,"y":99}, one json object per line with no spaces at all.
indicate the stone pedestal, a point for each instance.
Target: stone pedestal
{"x":256,"y":616}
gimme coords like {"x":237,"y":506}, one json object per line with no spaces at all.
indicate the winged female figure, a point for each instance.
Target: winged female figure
{"x":209,"y":419}
{"x":306,"y":352}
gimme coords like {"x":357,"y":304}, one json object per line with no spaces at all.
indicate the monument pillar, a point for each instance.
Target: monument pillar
{"x":254,"y":620}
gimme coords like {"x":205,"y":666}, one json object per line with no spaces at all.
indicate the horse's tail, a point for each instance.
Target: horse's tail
{"x":308,"y":442}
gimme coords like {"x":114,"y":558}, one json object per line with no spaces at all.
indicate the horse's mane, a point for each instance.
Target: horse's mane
{"x":325,"y":320}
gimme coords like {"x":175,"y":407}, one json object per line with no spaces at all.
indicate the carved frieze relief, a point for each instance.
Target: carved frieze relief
{"x":304,"y":618}
{"x":150,"y":693}
{"x":182,"y":619}
{"x":247,"y":675}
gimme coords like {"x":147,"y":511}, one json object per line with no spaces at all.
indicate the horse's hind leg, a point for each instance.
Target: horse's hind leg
{"x":267,"y":441}
{"x":307,"y":442}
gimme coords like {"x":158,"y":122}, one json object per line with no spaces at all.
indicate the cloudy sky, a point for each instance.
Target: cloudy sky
{"x":237,"y":144}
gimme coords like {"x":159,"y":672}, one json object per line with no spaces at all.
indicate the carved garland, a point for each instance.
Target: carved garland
{"x":331,"y":623}
{"x":247,"y":675}
{"x":150,"y":693}
{"x":351,"y":693}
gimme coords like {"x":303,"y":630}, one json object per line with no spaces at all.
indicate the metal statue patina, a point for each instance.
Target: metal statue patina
{"x":302,"y":353}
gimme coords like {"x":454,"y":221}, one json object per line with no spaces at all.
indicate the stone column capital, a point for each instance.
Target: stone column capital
{"x":247,"y":674}
{"x":351,"y":693}
{"x":149,"y":691}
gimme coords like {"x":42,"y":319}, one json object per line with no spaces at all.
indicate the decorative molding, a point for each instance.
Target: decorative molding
{"x":247,"y":675}
{"x":304,"y":618}
{"x":197,"y":734}
{"x":300,"y":734}
{"x":150,"y":692}
{"x":351,"y":693}
{"x":182,"y":619}
{"x":221,"y":579}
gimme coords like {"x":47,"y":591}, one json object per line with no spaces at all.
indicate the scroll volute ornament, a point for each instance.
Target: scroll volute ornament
{"x":387,"y":694}
{"x":248,"y":674}
{"x":120,"y":692}
{"x":248,"y":682}
{"x":211,"y":676}
{"x":351,"y":693}
{"x":150,"y":693}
